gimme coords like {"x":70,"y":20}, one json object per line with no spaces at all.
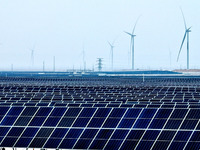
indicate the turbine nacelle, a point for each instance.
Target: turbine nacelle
{"x":188,"y":30}
{"x":132,"y":35}
{"x":111,"y":45}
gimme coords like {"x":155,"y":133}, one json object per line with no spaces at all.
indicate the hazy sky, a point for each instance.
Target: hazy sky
{"x":60,"y":28}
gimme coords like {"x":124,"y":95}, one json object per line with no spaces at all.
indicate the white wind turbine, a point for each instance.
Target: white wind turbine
{"x":187,"y":31}
{"x":132,"y":41}
{"x":32,"y":55}
{"x":111,"y":48}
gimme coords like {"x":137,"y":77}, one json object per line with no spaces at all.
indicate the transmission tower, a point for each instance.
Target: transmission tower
{"x":99,"y":63}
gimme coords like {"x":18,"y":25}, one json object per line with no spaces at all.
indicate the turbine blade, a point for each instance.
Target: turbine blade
{"x":136,"y":24}
{"x":183,"y":19}
{"x":109,"y":44}
{"x":181,"y":45}
{"x":114,"y":40}
{"x":128,"y":33}
{"x":188,"y":30}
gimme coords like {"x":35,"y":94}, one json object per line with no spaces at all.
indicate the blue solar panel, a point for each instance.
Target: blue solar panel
{"x":145,"y":145}
{"x":72,"y":112}
{"x":173,"y":124}
{"x":195,"y":136}
{"x":89,"y":133}
{"x":29,"y":111}
{"x":163,"y":113}
{"x":119,"y":134}
{"x":129,"y":144}
{"x":15,"y":111}
{"x":44,"y":132}
{"x":51,"y":121}
{"x":102,"y":112}
{"x":52,"y":143}
{"x":23,"y":142}
{"x":193,"y":145}
{"x":135,"y":134}
{"x":15,"y":131}
{"x":177,"y":145}
{"x":147,"y":113}
{"x":59,"y":133}
{"x":182,"y":135}
{"x":98,"y":144}
{"x":81,"y":122}
{"x":113,"y":144}
{"x":189,"y":124}
{"x":3,"y":110}
{"x":161,"y":144}
{"x":4,"y":130}
{"x":126,"y":123}
{"x":37,"y":121}
{"x":30,"y":132}
{"x":74,"y":133}
{"x":58,"y":112}
{"x":132,"y":113}
{"x":9,"y":142}
{"x":167,"y":135}
{"x":82,"y":143}
{"x":38,"y":142}
{"x":151,"y":135}
{"x":8,"y":120}
{"x":179,"y":113}
{"x":43,"y":111}
{"x":22,"y":121}
{"x":111,"y":123}
{"x":67,"y":143}
{"x":157,"y":123}
{"x":87,"y":112}
{"x":193,"y":114}
{"x":118,"y":112}
{"x":66,"y":122}
{"x":104,"y":134}
{"x":141,"y":123}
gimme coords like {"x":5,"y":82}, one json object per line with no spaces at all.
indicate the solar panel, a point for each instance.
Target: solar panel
{"x":100,"y":113}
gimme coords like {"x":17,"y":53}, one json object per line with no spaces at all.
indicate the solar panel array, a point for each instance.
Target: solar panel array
{"x":100,"y":113}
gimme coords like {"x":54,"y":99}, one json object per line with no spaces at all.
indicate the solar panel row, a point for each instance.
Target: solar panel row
{"x":46,"y":124}
{"x":100,"y":113}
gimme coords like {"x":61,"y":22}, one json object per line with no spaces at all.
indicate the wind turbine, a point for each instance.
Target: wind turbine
{"x":32,"y":54}
{"x":54,"y":63}
{"x":111,"y":48}
{"x":187,"y":31}
{"x":84,"y":62}
{"x":132,"y":42}
{"x":170,"y":58}
{"x":43,"y":66}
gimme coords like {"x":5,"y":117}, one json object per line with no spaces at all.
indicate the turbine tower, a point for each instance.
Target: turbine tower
{"x":187,"y":31}
{"x":132,"y":42}
{"x":111,"y":48}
